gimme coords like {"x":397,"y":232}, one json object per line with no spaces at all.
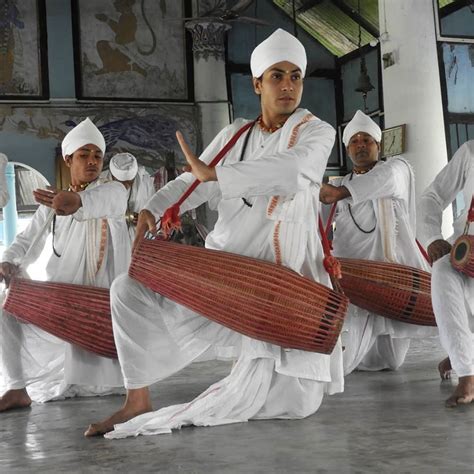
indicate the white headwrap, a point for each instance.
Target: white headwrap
{"x":279,"y":46}
{"x":361,"y":123}
{"x":123,"y":166}
{"x":83,"y":134}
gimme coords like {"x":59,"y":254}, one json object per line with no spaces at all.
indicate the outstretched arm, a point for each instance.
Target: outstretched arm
{"x":441,"y":193}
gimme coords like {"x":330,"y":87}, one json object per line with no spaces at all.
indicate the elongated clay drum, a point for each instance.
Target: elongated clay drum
{"x":76,"y":314}
{"x":391,"y":290}
{"x":256,"y":298}
{"x":462,"y":255}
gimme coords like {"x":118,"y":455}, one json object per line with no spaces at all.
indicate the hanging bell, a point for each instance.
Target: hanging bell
{"x":363,"y":83}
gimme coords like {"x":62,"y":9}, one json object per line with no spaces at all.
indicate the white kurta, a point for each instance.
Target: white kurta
{"x":381,"y":200}
{"x":156,"y":337}
{"x":31,"y":358}
{"x":452,"y":292}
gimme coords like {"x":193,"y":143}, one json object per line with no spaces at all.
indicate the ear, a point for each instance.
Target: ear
{"x":68,"y":160}
{"x":257,"y":85}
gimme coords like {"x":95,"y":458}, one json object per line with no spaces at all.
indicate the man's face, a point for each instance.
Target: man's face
{"x":363,"y":150}
{"x":85,"y":163}
{"x":280,"y":88}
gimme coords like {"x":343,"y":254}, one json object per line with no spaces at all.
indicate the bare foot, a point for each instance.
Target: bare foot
{"x":138,"y":402}
{"x":15,"y":399}
{"x":464,"y":393}
{"x":444,"y":368}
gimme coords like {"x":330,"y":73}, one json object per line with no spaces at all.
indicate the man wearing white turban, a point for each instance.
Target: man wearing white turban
{"x":266,"y":196}
{"x":375,"y":220}
{"x":452,"y":292}
{"x":124,"y":167}
{"x":88,"y":237}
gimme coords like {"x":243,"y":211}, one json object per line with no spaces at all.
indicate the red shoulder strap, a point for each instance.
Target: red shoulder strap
{"x":170,"y":219}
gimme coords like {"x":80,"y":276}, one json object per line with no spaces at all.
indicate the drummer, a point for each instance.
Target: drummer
{"x":452,"y":291}
{"x":89,"y":246}
{"x":375,"y":220}
{"x":263,"y":192}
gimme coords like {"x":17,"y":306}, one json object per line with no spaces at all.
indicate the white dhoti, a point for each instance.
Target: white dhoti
{"x":156,"y":338}
{"x":453,"y":303}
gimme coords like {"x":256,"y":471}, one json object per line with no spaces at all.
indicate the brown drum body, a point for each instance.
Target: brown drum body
{"x":76,"y":314}
{"x":391,"y":290}
{"x":253,"y":297}
{"x":462,"y":255}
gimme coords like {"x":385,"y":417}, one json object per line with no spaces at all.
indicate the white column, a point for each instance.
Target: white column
{"x":411,"y":86}
{"x":210,"y":85}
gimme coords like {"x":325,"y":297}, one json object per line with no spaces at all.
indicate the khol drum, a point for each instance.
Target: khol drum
{"x":391,"y":290}
{"x":256,"y":298}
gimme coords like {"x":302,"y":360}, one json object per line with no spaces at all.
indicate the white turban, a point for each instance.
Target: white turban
{"x":83,"y":134}
{"x":279,"y":46}
{"x":361,"y":123}
{"x":123,"y":166}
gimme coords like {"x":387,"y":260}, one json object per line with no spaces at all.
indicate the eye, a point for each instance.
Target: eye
{"x":296,"y":77}
{"x":276,"y":75}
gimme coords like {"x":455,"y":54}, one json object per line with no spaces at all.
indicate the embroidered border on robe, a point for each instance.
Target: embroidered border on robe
{"x":274,"y":200}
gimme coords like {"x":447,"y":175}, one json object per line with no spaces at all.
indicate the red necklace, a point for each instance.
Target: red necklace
{"x":264,"y":128}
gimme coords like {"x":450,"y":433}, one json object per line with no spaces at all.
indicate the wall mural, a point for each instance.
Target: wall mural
{"x":130,"y":49}
{"x":146,"y":132}
{"x":22,"y":65}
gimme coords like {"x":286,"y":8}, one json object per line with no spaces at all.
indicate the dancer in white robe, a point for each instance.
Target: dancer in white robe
{"x":3,"y":183}
{"x":266,"y":194}
{"x":90,"y":246}
{"x":452,"y":291}
{"x":375,"y":220}
{"x":124,"y":167}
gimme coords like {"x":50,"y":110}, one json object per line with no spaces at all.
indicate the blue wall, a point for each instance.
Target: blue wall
{"x":352,"y":100}
{"x":459,"y":23}
{"x":60,"y":49}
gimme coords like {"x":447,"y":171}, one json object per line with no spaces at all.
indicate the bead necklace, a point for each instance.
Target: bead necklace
{"x":350,"y":211}
{"x":265,"y":128}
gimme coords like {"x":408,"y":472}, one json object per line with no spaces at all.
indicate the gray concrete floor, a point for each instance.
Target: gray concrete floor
{"x":383,"y":422}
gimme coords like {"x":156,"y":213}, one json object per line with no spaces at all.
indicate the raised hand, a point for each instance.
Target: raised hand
{"x":195,"y":166}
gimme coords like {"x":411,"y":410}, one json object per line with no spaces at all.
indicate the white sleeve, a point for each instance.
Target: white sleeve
{"x":23,"y":241}
{"x":281,"y":173}
{"x":386,"y":180}
{"x":108,"y":200}
{"x":440,"y":194}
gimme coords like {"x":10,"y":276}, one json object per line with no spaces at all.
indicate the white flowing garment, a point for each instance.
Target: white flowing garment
{"x":452,"y":292}
{"x":30,"y":357}
{"x":382,"y":200}
{"x":156,"y":337}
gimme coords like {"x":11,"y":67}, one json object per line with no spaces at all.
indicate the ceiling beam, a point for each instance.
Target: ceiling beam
{"x":350,"y":12}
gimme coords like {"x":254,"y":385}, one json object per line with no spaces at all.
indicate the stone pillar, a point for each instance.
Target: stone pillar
{"x":411,"y":86}
{"x":210,"y":83}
